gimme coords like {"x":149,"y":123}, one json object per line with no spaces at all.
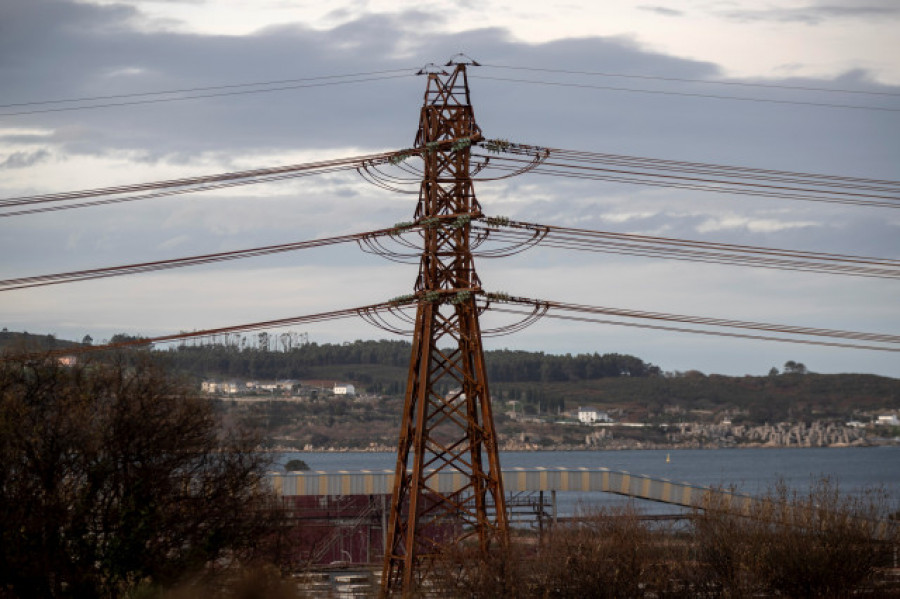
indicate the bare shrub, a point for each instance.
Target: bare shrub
{"x":467,"y":571}
{"x":726,"y":550}
{"x":820,"y":543}
{"x":609,"y":553}
{"x":785,"y":544}
{"x":815,"y":544}
{"x":604,"y":555}
{"x":113,"y":476}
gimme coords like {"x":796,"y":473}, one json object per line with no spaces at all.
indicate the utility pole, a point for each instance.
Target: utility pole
{"x":447,"y":423}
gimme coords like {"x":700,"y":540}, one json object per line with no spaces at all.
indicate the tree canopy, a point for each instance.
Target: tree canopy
{"x":112,"y":475}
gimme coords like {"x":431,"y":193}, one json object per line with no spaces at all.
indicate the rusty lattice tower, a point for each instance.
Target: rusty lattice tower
{"x":447,"y":422}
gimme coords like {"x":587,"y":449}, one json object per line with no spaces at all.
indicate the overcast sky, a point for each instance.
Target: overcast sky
{"x":62,"y":49}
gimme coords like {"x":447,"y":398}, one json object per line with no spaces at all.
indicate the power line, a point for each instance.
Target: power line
{"x":514,"y":157}
{"x":573,"y":163}
{"x":240,"y":328}
{"x":217,"y":177}
{"x":200,"y":96}
{"x":503,"y":146}
{"x":189,"y":184}
{"x":701,"y":332}
{"x":721,"y":322}
{"x":157,"y":265}
{"x":199,"y":89}
{"x":690,"y":250}
{"x":701,"y":81}
{"x":173,"y":192}
{"x":208,"y":182}
{"x":684,"y":94}
{"x":793,"y":334}
{"x":515,"y":231}
{"x":742,"y":188}
{"x":513,"y":237}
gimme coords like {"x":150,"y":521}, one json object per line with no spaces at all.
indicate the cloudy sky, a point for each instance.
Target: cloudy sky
{"x":64,"y":49}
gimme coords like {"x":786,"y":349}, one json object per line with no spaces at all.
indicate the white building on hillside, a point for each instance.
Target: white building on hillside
{"x":285,"y":387}
{"x":217,"y":387}
{"x":592,"y":415}
{"x":344,"y":389}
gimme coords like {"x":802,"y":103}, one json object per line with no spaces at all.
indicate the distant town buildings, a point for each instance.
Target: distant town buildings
{"x":887,"y":420}
{"x":346,"y":389}
{"x":286,"y":387}
{"x":289,"y":388}
{"x":217,"y":387}
{"x":592,"y":415}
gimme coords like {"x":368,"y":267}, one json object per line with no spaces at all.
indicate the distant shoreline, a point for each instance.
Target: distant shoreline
{"x":869,"y":444}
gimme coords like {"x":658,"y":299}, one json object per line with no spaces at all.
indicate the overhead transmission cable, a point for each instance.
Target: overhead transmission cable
{"x":218,"y":177}
{"x":206,"y":182}
{"x":200,"y":89}
{"x":150,"y":97}
{"x":683,"y":94}
{"x":518,"y":232}
{"x":240,"y":328}
{"x":689,"y":250}
{"x":673,"y":329}
{"x":700,"y":81}
{"x":192,"y":95}
{"x":511,"y":159}
{"x":157,"y":265}
{"x":507,"y":156}
{"x":792,"y":334}
{"x":186,"y":185}
{"x":771,"y":332}
{"x":519,"y":158}
{"x":171,"y":192}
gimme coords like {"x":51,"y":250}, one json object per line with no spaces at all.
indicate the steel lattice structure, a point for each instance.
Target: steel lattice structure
{"x":447,"y":421}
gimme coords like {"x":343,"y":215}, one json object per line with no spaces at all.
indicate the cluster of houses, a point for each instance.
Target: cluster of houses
{"x":817,"y":433}
{"x":592,"y":416}
{"x":782,"y":434}
{"x":274,"y":388}
{"x":887,"y":420}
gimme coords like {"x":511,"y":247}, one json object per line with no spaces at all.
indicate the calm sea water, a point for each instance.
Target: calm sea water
{"x":750,"y":470}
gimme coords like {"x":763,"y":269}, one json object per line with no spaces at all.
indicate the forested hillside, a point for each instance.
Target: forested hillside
{"x":543,"y":383}
{"x":546,"y":383}
{"x":311,"y":360}
{"x":11,"y":342}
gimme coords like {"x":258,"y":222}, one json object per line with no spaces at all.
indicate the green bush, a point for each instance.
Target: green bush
{"x":296,"y":466}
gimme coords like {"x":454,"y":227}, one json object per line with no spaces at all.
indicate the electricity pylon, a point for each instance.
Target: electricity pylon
{"x":447,"y":421}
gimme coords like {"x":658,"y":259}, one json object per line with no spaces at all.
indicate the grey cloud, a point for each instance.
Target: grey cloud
{"x":662,"y":10}
{"x":24,"y":138}
{"x":340,"y":14}
{"x":24,"y":159}
{"x":814,"y":14}
{"x":69,"y":62}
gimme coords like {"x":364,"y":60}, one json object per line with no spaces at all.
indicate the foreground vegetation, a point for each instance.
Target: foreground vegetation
{"x":821,"y":544}
{"x":115,"y":477}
